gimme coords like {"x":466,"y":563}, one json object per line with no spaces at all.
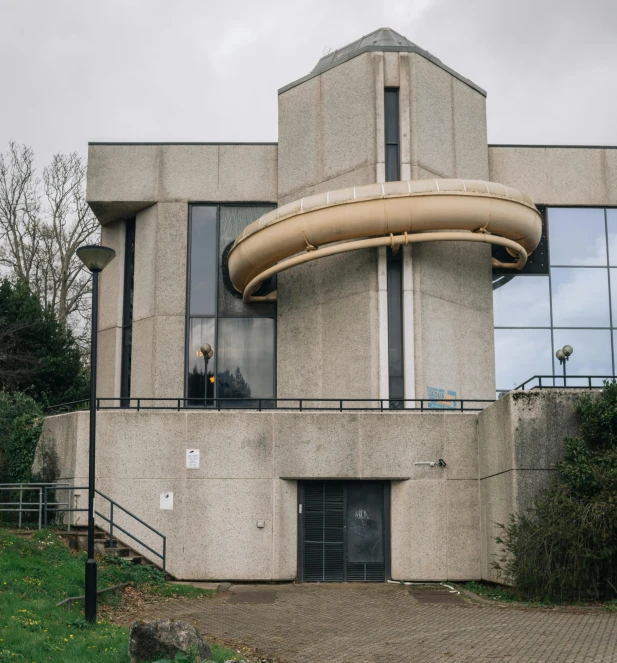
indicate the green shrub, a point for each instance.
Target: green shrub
{"x":21,"y":422}
{"x":565,"y":547}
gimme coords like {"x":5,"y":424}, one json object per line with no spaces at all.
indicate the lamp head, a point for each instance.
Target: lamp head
{"x":560,"y":355}
{"x":95,"y":257}
{"x":567,"y":350}
{"x":206,"y":350}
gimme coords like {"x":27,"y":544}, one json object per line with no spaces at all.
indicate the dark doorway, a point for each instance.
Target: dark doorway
{"x":343,"y":531}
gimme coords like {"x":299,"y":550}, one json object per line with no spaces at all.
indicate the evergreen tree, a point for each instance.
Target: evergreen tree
{"x":38,"y":355}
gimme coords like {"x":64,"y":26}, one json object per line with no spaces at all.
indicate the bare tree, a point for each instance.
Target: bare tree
{"x":19,"y":212}
{"x":41,"y":226}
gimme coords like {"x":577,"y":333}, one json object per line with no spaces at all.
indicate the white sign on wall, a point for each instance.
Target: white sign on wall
{"x":192,"y":459}
{"x":167,"y":501}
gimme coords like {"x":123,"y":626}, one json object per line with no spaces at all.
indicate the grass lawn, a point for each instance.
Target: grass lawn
{"x":37,"y":572}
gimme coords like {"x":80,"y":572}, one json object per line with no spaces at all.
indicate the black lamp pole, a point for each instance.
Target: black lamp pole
{"x":95,"y":258}
{"x":90,"y":601}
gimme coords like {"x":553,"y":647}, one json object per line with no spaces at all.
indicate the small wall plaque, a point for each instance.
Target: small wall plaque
{"x":167,"y":501}
{"x":192,"y":459}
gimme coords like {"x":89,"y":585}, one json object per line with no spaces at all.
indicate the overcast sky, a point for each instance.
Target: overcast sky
{"x":74,"y":71}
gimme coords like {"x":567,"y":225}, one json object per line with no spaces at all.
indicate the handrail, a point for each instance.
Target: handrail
{"x":44,"y":507}
{"x":297,"y":404}
{"x":564,"y":378}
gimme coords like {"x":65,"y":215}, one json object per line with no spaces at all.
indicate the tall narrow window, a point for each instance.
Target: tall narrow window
{"x":395,"y":328}
{"x":391,"y":115}
{"x":127,"y":312}
{"x":230,"y":345}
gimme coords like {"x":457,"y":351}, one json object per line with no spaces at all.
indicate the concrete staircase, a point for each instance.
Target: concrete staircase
{"x":77,"y":539}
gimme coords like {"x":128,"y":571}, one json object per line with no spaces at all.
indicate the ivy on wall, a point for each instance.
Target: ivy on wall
{"x":21,"y":423}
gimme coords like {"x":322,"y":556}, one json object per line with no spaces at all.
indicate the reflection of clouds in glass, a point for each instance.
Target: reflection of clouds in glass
{"x":520,"y":354}
{"x":522,"y":302}
{"x":248,"y":344}
{"x":580,"y":297}
{"x":592,"y":351}
{"x":577,"y":236}
{"x":611,"y":219}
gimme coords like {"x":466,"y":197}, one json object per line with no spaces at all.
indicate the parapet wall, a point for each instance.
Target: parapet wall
{"x":442,"y":518}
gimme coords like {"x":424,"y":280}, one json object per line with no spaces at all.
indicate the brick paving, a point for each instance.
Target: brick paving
{"x":353,"y":623}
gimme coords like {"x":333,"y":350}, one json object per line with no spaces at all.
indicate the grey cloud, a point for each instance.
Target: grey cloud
{"x":199,"y":70}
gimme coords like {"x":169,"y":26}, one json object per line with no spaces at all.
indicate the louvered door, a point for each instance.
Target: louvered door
{"x":343,"y":531}
{"x":324,"y":531}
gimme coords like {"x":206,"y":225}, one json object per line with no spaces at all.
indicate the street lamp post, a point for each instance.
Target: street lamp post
{"x":563,"y":355}
{"x":207,"y":352}
{"x":95,"y":258}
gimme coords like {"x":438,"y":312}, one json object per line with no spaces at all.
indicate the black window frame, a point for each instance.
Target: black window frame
{"x":392,"y":132}
{"x":217,"y":316}
{"x":128,"y":290}
{"x":396,"y":328}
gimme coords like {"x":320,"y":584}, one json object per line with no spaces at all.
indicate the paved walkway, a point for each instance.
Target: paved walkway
{"x":386,"y":623}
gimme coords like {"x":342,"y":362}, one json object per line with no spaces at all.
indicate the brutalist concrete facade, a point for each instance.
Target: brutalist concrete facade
{"x":332,"y":329}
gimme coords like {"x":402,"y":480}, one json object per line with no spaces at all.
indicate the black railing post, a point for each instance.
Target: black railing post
{"x":462,"y":404}
{"x":164,"y":553}
{"x":45,"y":505}
{"x":300,"y":402}
{"x":111,"y":524}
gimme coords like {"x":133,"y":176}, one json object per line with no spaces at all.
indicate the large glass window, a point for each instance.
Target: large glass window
{"x":230,"y":344}
{"x":575,"y":304}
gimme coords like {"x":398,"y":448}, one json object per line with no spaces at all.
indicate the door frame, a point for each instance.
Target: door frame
{"x":386,"y":521}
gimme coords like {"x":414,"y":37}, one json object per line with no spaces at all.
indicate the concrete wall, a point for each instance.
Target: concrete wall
{"x":111,"y":282}
{"x":159,"y":301}
{"x":155,"y":183}
{"x":558,"y":175}
{"x":126,"y":178}
{"x":250,"y":464}
{"x":443,"y":134}
{"x":330,"y":130}
{"x":520,"y":441}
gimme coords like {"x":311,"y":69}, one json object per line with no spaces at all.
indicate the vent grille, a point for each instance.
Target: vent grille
{"x":369,"y":572}
{"x":324,"y":521}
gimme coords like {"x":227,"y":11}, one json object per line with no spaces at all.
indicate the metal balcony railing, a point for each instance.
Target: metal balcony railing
{"x":565,"y":382}
{"x":294,"y":404}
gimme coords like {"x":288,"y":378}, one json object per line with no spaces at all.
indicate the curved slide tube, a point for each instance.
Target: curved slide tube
{"x":388,"y":214}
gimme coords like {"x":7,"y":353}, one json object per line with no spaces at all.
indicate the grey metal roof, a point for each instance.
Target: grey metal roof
{"x":383,"y":39}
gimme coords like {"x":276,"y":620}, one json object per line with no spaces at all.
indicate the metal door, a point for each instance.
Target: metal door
{"x":343,"y":531}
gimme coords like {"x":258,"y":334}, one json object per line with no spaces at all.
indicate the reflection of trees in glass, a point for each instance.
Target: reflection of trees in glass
{"x":197,"y":386}
{"x":233,"y":385}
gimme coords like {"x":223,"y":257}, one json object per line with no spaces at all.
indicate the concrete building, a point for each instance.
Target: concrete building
{"x":324,"y":268}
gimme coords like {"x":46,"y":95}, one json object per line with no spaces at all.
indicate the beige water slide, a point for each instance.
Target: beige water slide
{"x":388,"y":214}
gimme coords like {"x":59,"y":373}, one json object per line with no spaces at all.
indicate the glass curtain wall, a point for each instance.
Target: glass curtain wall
{"x":230,"y":345}
{"x":575,"y":304}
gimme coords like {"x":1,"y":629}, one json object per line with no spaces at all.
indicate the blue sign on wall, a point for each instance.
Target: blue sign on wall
{"x":441,"y":399}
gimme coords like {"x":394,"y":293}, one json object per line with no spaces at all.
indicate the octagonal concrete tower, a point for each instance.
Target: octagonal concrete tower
{"x":333,"y":333}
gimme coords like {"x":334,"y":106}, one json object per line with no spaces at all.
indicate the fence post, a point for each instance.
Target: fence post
{"x":40,"y":505}
{"x":164,"y":552}
{"x":45,"y":505}
{"x":21,"y":493}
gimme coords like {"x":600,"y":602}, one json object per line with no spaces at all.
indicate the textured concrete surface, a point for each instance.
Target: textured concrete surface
{"x":443,"y":519}
{"x":249,"y":466}
{"x":448,"y":123}
{"x":327,"y":129}
{"x":520,"y":442}
{"x":124,"y":179}
{"x":376,"y":623}
{"x":453,"y":320}
{"x":558,"y":175}
{"x":328,"y":328}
